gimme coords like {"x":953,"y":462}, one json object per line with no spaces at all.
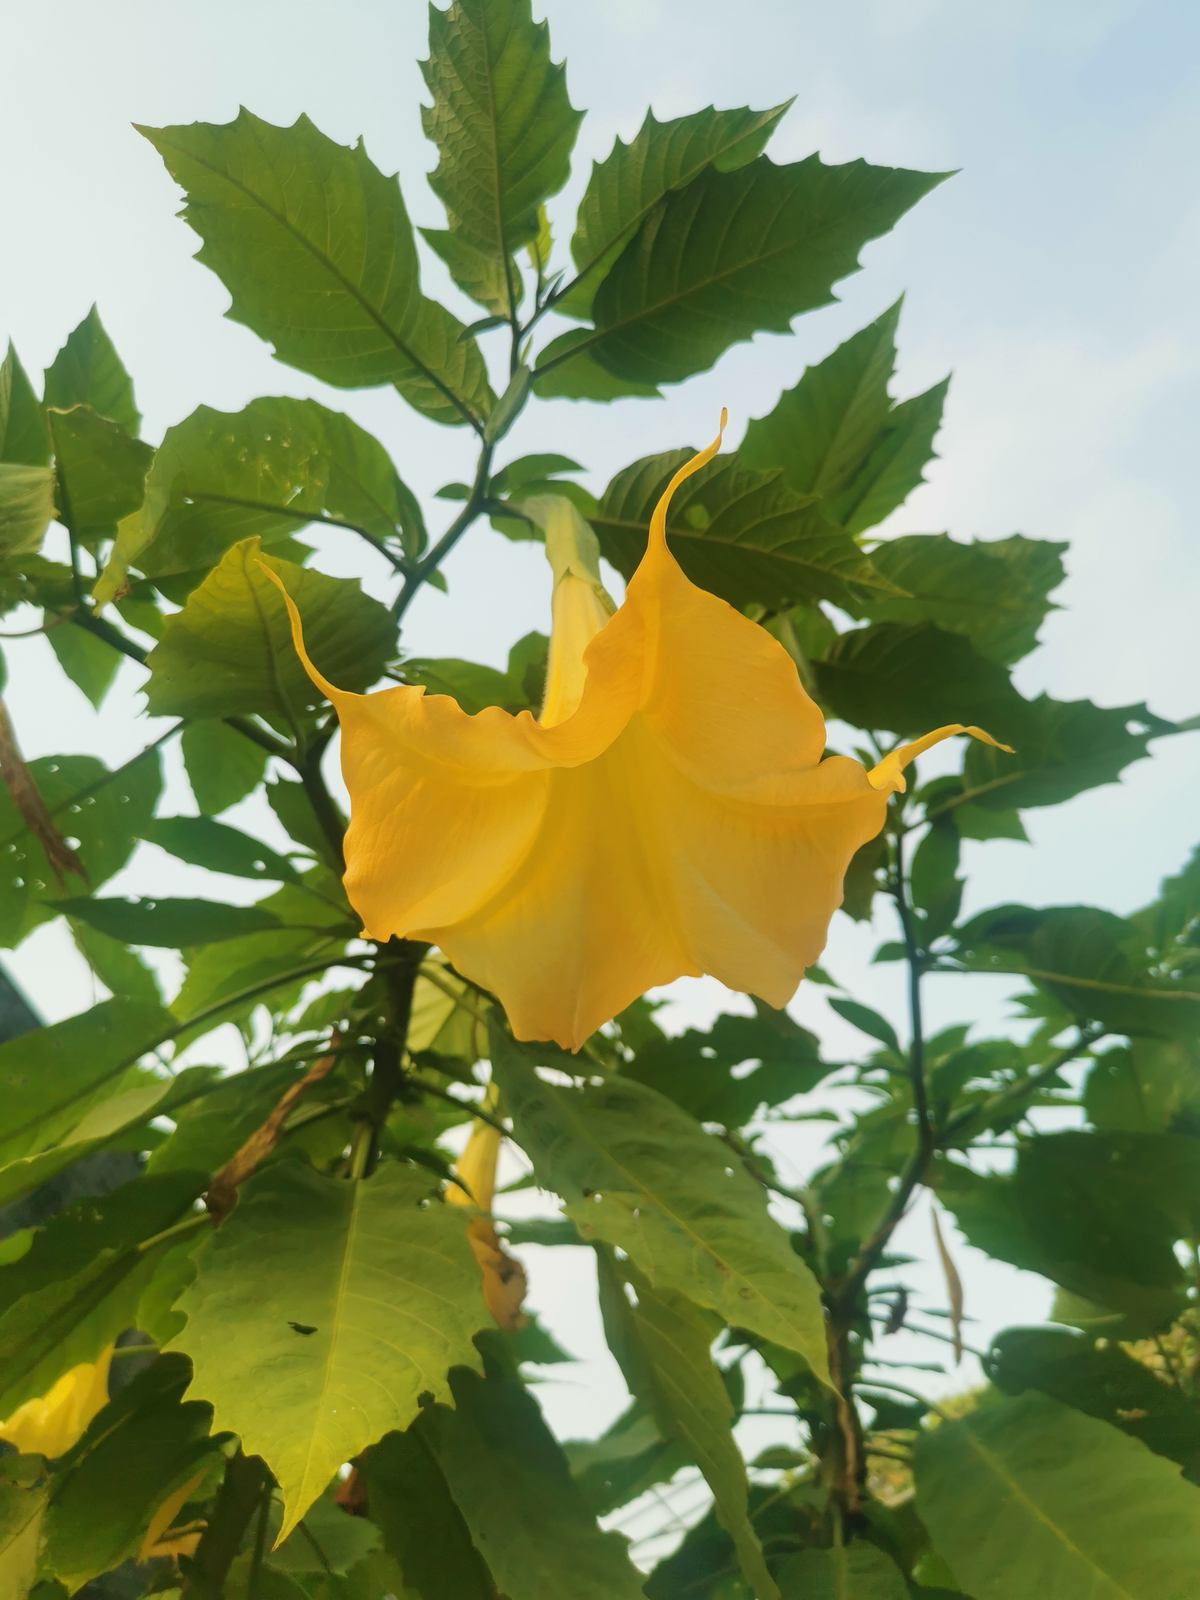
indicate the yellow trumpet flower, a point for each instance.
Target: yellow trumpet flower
{"x":668,"y":815}
{"x":503,"y":1275}
{"x":55,"y":1421}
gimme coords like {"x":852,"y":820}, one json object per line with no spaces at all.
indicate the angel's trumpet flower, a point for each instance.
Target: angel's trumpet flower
{"x":668,"y":815}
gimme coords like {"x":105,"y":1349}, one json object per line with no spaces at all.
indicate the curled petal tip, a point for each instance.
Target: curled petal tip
{"x":658,"y":522}
{"x":889,"y":773}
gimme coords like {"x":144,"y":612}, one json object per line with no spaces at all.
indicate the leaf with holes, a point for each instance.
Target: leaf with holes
{"x":315,"y":246}
{"x":230,"y":648}
{"x":386,"y":1282}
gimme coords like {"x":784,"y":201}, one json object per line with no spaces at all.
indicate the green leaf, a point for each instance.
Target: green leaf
{"x":267,"y":470}
{"x":503,"y":125}
{"x":89,"y":662}
{"x":581,"y":377}
{"x":209,"y":1128}
{"x":519,"y":688}
{"x":857,"y":1571}
{"x":868,"y":1021}
{"x":104,"y":811}
{"x":994,"y":591}
{"x":230,"y":648}
{"x":1147,"y":1086}
{"x":144,"y":1446}
{"x":389,"y":1287}
{"x":23,"y":437}
{"x":87,"y":371}
{"x":26,"y":507}
{"x":23,"y":1493}
{"x":78,"y":1285}
{"x":1029,"y":1497}
{"x":933,"y":877}
{"x":741,"y":534}
{"x":168,"y":923}
{"x":509,"y":1479}
{"x":909,"y":678}
{"x":737,"y":253}
{"x":121,"y":970}
{"x":491,"y":280}
{"x":422,"y":1526}
{"x":219,"y":848}
{"x":315,"y":246}
{"x":638,"y":1173}
{"x":701,"y":1070}
{"x":1064,"y":747}
{"x":1100,"y":1379}
{"x":51,"y":1078}
{"x":1173,"y":916}
{"x":100,"y":471}
{"x":223,"y":767}
{"x":1085,"y":959}
{"x":633,"y":178}
{"x":663,"y":1345}
{"x":838,"y":434}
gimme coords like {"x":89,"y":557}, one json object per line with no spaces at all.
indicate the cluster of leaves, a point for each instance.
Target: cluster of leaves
{"x":326,"y":1307}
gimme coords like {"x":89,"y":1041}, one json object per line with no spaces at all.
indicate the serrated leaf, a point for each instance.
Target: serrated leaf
{"x":638,"y":1173}
{"x":267,"y":470}
{"x":896,"y":465}
{"x":519,"y":688}
{"x":222,"y":766}
{"x":1063,"y":747}
{"x":389,"y":1287}
{"x":570,"y":371}
{"x":1102,"y":1380}
{"x":78,"y":1285}
{"x":23,"y":436}
{"x":633,"y":178}
{"x":909,"y":678}
{"x":87,"y":371}
{"x":739,"y":533}
{"x":230,"y":648}
{"x":856,"y":1571}
{"x":26,"y":507}
{"x":509,"y":1479}
{"x":100,"y":472}
{"x":168,"y":924}
{"x":994,"y":591}
{"x":1029,"y":1497}
{"x":503,"y":125}
{"x":316,"y":248}
{"x":104,"y":811}
{"x":1086,"y":959}
{"x":663,"y":1346}
{"x":492,"y":281}
{"x":737,"y":253}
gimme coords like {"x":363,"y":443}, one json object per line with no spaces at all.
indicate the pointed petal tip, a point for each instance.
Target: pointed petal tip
{"x":889,"y":773}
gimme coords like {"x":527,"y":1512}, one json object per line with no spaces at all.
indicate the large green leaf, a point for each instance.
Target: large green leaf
{"x":87,"y":371}
{"x":1087,"y":960}
{"x":733,"y":254}
{"x":26,"y":506}
{"x":838,"y":434}
{"x":741,"y":534}
{"x":23,"y":437}
{"x":519,"y":687}
{"x":509,"y":1479}
{"x":1063,"y":747}
{"x":910,"y":677}
{"x":663,"y":1345}
{"x":78,"y":1285}
{"x":168,"y":923}
{"x":277,"y":465}
{"x":230,"y":648}
{"x":316,"y":248}
{"x":1147,"y":1086}
{"x":104,"y":811}
{"x":217,"y":847}
{"x":422,"y":1527}
{"x":633,"y":178}
{"x":100,"y":472}
{"x":222,"y":766}
{"x":1098,"y":1377}
{"x":91,"y":663}
{"x":1031,"y":1498}
{"x":857,"y":1571}
{"x":142,"y":1448}
{"x":637,"y":1172}
{"x":365,"y":1296}
{"x":994,"y":591}
{"x":23,"y":1492}
{"x":503,"y":125}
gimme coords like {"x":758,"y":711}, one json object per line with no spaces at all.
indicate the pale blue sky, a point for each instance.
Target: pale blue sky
{"x":1055,"y":275}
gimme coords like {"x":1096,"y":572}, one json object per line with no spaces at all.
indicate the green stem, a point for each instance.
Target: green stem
{"x":971,"y":1120}
{"x":909,"y":1394}
{"x":260,"y":1544}
{"x":432,"y":560}
{"x":239,"y":1497}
